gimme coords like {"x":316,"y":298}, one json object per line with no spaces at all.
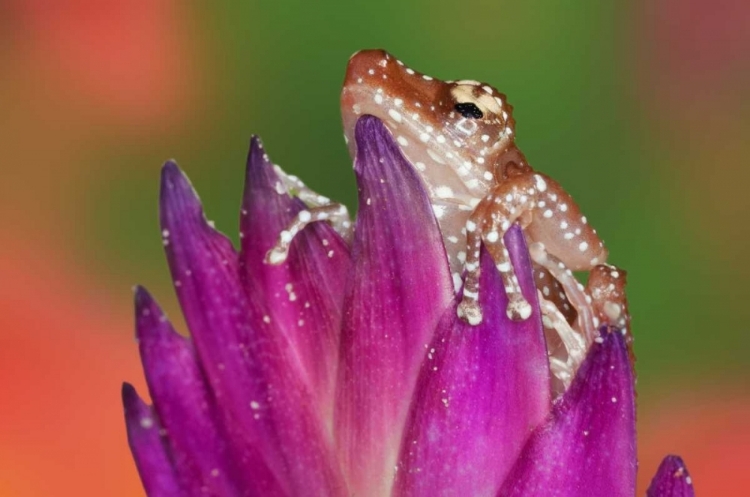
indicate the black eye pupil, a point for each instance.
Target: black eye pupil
{"x":468,"y":109}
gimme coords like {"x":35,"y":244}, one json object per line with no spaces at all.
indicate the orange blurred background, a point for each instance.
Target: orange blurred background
{"x":640,"y":109}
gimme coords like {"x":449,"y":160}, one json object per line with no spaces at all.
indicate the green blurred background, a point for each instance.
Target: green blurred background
{"x":640,"y":109}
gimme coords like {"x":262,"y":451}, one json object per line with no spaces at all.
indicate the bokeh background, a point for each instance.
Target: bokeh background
{"x":641,"y":109}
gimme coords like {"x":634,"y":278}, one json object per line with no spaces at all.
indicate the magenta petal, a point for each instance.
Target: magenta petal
{"x":399,"y":286}
{"x":304,"y":295}
{"x":148,"y":447}
{"x":482,"y":390}
{"x":587,"y":446}
{"x":262,"y":397}
{"x":204,"y":456}
{"x":672,"y":480}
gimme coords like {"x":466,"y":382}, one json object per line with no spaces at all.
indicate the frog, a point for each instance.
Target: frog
{"x":459,"y":135}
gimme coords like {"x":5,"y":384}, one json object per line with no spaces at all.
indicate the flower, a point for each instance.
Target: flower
{"x":346,"y":371}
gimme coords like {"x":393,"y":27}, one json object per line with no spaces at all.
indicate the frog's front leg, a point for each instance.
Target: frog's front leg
{"x":488,"y":223}
{"x":468,"y":308}
{"x":548,"y":215}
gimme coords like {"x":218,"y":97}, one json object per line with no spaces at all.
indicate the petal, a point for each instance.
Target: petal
{"x":204,"y":455}
{"x":261,"y":395}
{"x":304,"y":295}
{"x":148,"y":447}
{"x":587,"y":445}
{"x":482,"y":390}
{"x":399,"y":286}
{"x":672,"y":480}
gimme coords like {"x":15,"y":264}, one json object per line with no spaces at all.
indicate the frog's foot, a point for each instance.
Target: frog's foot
{"x":563,"y":368}
{"x":336,"y":214}
{"x":469,"y":311}
{"x":574,"y":290}
{"x":518,"y":308}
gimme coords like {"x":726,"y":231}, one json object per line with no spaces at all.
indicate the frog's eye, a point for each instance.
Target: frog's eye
{"x":469,"y":110}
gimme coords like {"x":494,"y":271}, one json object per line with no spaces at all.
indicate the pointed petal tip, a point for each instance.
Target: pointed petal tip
{"x":141,"y":296}
{"x":179,"y":203}
{"x":367,"y":123}
{"x":671,"y":480}
{"x":143,"y":300}
{"x":255,"y":154}
{"x":370,"y":134}
{"x":170,"y":169}
{"x":128,"y":393}
{"x":174,"y":182}
{"x":150,"y":320}
{"x":260,"y":174}
{"x":256,"y":144}
{"x":135,"y":407}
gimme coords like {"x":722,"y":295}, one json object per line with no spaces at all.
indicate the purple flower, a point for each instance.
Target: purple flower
{"x":345,"y":371}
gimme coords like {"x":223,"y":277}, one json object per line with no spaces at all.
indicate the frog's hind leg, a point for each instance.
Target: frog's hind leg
{"x":574,"y":290}
{"x":297,"y":188}
{"x":563,"y":363}
{"x":553,"y":291}
{"x":607,"y":289}
{"x":319,"y":208}
{"x":336,"y":214}
{"x":339,"y":219}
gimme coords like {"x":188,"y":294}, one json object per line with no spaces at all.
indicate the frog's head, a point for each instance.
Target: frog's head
{"x":466,"y":124}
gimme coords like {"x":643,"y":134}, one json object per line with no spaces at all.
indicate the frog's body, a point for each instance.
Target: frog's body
{"x":460,"y":137}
